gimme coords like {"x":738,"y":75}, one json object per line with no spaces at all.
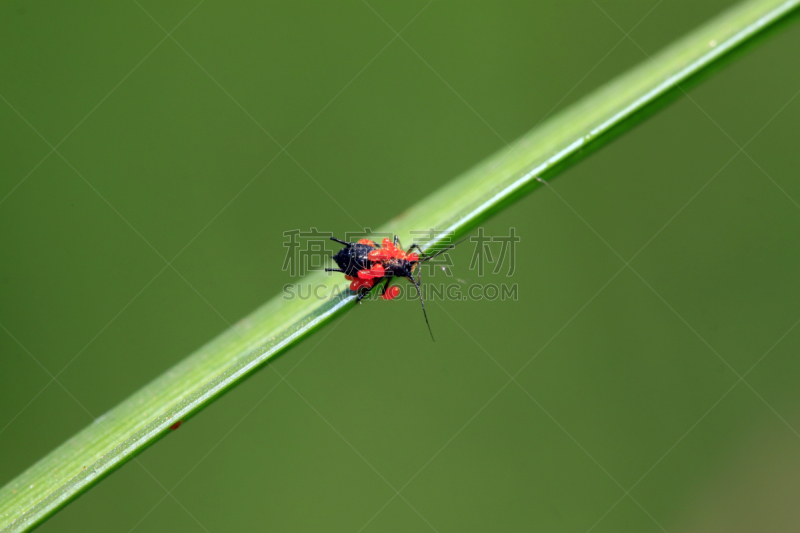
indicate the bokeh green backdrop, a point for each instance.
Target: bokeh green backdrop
{"x":625,"y":393}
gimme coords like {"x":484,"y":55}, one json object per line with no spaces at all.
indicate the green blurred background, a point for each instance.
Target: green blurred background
{"x":625,"y":393}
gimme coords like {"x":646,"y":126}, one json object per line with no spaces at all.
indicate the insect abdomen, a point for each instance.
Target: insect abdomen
{"x":353,"y":258}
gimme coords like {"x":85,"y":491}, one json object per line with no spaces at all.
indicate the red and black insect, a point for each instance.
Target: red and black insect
{"x":366,"y":265}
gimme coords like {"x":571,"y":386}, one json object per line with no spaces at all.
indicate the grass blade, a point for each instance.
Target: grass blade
{"x":465,"y":202}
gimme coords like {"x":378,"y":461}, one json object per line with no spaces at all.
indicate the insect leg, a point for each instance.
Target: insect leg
{"x":421,"y":301}
{"x":416,"y":246}
{"x":362,"y":295}
{"x":342,"y":242}
{"x":385,"y":286}
{"x":334,"y":270}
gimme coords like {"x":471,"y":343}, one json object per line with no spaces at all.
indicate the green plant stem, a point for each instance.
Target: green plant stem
{"x":459,"y":206}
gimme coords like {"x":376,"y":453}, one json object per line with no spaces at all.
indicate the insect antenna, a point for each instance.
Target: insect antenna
{"x":429,"y":257}
{"x":421,"y":301}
